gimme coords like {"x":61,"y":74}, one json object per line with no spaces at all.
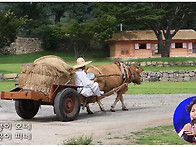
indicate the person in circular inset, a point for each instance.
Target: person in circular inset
{"x":185,"y":120}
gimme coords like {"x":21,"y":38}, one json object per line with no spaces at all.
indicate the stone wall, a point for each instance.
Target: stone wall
{"x":172,"y":76}
{"x":23,"y":46}
{"x":159,"y":63}
{"x":12,"y":76}
{"x":148,"y":76}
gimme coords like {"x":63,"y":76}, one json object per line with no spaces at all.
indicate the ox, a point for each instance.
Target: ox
{"x":112,"y":75}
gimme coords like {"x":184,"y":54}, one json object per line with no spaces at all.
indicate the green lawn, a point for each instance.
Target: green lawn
{"x":12,"y":63}
{"x":173,"y":68}
{"x":144,"y":88}
{"x":26,"y":58}
{"x":7,"y":85}
{"x":162,"y":88}
{"x":10,"y":68}
{"x":165,"y":59}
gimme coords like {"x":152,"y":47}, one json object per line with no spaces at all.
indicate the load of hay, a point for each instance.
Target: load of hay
{"x":43,"y":72}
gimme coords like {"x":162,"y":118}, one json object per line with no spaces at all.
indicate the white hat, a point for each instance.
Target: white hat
{"x":81,"y":62}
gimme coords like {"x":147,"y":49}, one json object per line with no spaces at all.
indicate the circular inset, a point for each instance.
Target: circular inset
{"x":183,"y":119}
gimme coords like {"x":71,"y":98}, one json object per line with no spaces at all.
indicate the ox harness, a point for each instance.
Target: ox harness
{"x":126,"y":73}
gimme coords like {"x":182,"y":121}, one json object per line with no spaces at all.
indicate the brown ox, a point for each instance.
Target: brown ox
{"x":109,"y":76}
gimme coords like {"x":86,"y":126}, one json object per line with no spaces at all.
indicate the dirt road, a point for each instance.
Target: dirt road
{"x":106,"y":128}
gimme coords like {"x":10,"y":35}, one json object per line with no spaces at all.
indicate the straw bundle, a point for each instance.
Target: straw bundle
{"x":43,"y":72}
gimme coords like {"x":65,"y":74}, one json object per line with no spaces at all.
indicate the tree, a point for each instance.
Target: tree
{"x":165,"y":19}
{"x":35,"y":12}
{"x":104,"y":26}
{"x":71,"y":10}
{"x":79,"y":11}
{"x":9,"y":25}
{"x":105,"y":19}
{"x":58,"y":10}
{"x":80,"y":35}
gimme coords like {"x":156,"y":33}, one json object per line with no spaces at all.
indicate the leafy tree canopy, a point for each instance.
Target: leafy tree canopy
{"x":35,"y":12}
{"x":9,"y":25}
{"x":165,"y":19}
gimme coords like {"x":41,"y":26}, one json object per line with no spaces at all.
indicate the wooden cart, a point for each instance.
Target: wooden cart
{"x":65,"y":99}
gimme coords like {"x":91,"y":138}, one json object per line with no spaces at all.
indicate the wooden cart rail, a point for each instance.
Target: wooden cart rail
{"x":94,"y":99}
{"x":30,"y":95}
{"x":33,"y":95}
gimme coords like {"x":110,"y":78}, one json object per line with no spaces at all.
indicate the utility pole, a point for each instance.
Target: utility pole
{"x":121,"y":27}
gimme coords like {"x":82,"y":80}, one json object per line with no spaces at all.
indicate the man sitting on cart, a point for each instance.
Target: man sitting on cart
{"x":90,"y":88}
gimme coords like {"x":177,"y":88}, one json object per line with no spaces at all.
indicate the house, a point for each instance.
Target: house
{"x":143,"y":43}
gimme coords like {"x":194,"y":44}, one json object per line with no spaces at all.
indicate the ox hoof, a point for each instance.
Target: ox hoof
{"x":125,"y":109}
{"x":102,"y":109}
{"x":89,"y":112}
{"x":112,"y":109}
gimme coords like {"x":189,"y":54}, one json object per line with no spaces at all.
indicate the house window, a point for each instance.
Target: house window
{"x":142,"y":46}
{"x":136,"y":46}
{"x":124,"y":50}
{"x":178,"y":45}
{"x":184,"y":45}
{"x":194,"y":47}
{"x":148,"y":46}
{"x":155,"y":49}
{"x":190,"y":47}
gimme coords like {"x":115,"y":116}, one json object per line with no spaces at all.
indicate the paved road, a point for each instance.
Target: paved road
{"x":104,"y":127}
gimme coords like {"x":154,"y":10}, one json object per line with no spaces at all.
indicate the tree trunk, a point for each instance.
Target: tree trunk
{"x":57,"y":18}
{"x":166,"y":48}
{"x":76,"y":50}
{"x":160,"y":43}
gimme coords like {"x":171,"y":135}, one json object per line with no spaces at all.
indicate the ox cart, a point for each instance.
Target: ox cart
{"x":64,"y":98}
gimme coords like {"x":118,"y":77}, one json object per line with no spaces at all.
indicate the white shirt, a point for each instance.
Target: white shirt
{"x":81,"y":79}
{"x":90,"y":88}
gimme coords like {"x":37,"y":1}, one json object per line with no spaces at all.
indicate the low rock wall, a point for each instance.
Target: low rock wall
{"x":148,"y":76}
{"x":159,"y":63}
{"x":23,"y":46}
{"x":12,"y":76}
{"x":169,"y":76}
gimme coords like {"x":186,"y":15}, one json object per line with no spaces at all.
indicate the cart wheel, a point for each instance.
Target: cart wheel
{"x":26,"y":109}
{"x":67,"y":104}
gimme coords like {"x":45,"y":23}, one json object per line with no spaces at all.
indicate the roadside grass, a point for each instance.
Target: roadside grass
{"x":162,"y":135}
{"x":82,"y":140}
{"x":165,"y":59}
{"x":144,"y":88}
{"x":7,"y":85}
{"x":162,"y":88}
{"x":171,"y":68}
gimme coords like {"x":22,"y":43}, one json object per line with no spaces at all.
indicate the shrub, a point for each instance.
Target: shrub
{"x":52,"y":36}
{"x":79,"y":141}
{"x":9,"y":25}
